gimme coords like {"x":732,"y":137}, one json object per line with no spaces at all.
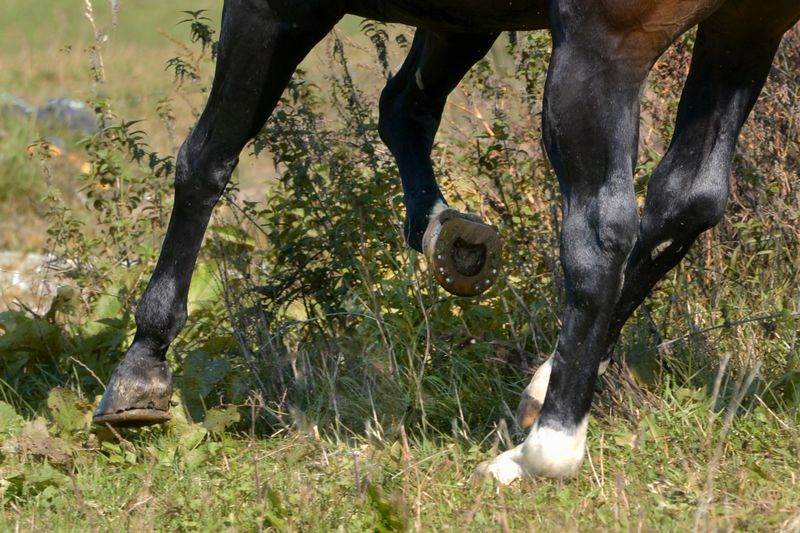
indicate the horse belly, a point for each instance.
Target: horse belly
{"x":457,"y":15}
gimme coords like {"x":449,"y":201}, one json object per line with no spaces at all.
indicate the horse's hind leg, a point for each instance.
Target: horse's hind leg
{"x":688,"y":191}
{"x":462,"y":251}
{"x":258,"y":52}
{"x":601,"y":58}
{"x":532,"y":398}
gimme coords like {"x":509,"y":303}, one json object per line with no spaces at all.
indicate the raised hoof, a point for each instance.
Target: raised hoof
{"x":463,"y":252}
{"x":137,"y":395}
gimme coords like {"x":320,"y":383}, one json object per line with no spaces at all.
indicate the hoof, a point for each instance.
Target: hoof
{"x":463,"y":252}
{"x":546,"y":452}
{"x":137,"y":395}
{"x":533,"y":396}
{"x":133,"y":418}
{"x":528,"y":411}
{"x":505,"y":468}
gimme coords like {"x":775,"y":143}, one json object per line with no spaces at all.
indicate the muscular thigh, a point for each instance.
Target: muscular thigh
{"x":635,"y":31}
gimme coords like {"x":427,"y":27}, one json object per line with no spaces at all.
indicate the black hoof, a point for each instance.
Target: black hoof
{"x":463,"y":252}
{"x":137,"y":395}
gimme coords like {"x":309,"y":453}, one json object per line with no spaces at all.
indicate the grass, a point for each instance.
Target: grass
{"x":43,"y":56}
{"x":43,"y":53}
{"x":654,"y":476}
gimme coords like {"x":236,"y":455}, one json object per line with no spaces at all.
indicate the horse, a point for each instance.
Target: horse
{"x":611,"y":256}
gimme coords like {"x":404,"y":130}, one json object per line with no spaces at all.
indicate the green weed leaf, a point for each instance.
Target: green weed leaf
{"x":68,"y":411}
{"x":10,"y":422}
{"x":219,"y":419}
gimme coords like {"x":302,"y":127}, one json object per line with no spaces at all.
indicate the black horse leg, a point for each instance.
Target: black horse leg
{"x":260,"y":46}
{"x":590,"y":136}
{"x":411,"y":109}
{"x":410,"y":112}
{"x":590,"y":126}
{"x":688,"y":191}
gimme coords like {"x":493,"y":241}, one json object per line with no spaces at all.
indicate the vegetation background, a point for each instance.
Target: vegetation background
{"x":324,"y":382}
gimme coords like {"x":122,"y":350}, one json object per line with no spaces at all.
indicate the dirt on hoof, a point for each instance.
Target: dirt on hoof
{"x":468,"y":258}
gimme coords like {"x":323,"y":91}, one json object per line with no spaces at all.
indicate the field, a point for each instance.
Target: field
{"x":324,"y":383}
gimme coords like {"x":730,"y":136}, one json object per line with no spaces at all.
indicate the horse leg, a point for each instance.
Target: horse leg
{"x":532,"y":398}
{"x":462,"y":251}
{"x":260,"y":46}
{"x":688,"y":191}
{"x":590,"y":126}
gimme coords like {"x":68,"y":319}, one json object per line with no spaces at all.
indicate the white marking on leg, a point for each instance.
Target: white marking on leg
{"x":537,"y":388}
{"x":418,"y":79}
{"x":658,"y":250}
{"x":436,"y":210}
{"x":554,"y":453}
{"x":505,"y":468}
{"x":547,"y":452}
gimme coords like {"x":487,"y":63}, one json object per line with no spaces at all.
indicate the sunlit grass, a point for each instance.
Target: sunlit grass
{"x":652,"y":476}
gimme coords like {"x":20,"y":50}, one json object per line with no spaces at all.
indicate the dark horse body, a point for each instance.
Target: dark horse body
{"x":602,"y":52}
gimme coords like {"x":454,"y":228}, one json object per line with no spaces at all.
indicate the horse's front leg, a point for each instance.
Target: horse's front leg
{"x":688,"y":191}
{"x":462,"y":251}
{"x":590,"y":127}
{"x":260,"y":46}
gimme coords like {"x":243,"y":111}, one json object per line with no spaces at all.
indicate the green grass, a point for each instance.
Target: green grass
{"x":43,"y":55}
{"x":41,"y":24}
{"x":652,"y":477}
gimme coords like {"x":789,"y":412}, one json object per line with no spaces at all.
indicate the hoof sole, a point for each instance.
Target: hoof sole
{"x":528,"y":411}
{"x":463,"y":252}
{"x":133,"y":418}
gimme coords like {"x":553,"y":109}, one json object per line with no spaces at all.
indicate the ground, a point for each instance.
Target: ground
{"x":673,"y":472}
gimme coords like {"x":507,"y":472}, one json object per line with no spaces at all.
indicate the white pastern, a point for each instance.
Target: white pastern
{"x":603,"y":367}
{"x":537,"y":388}
{"x":554,"y":453}
{"x":505,"y":468}
{"x":436,"y":210}
{"x":546,"y":452}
